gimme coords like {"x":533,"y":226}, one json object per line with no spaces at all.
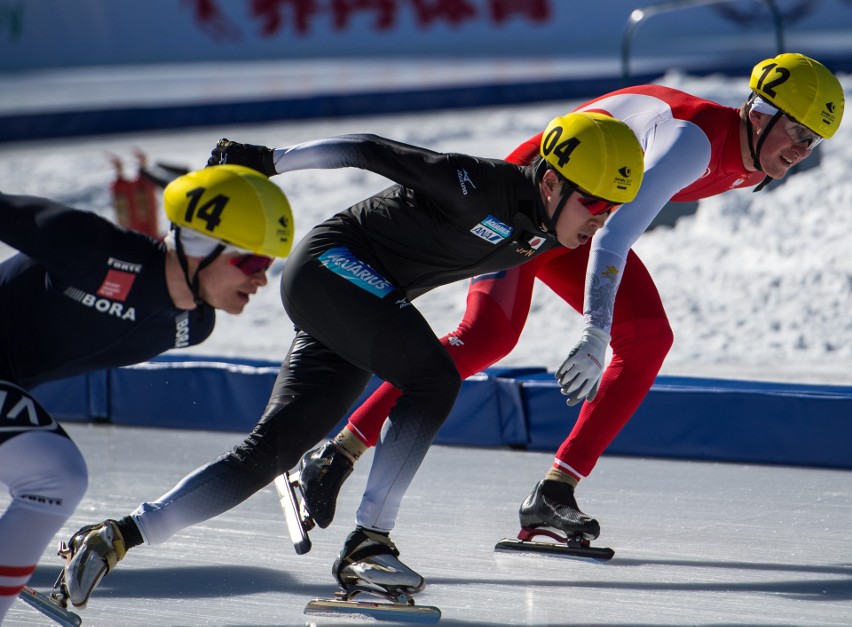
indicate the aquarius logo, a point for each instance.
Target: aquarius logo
{"x":492,"y":230}
{"x":341,"y":261}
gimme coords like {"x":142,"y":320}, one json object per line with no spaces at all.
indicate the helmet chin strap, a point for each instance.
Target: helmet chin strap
{"x":755,"y":150}
{"x":193,"y":283}
{"x":567,"y":190}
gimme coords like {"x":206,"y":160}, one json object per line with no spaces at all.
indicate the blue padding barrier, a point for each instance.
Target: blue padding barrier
{"x":713,"y":419}
{"x":686,"y":418}
{"x":77,"y":399}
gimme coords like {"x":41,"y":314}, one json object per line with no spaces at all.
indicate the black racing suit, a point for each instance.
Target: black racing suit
{"x":347,"y":287}
{"x":82,"y":294}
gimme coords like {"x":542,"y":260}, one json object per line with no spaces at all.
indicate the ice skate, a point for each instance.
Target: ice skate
{"x":552,"y":506}
{"x":551,"y":511}
{"x":298,"y":520}
{"x":368,"y":563}
{"x":90,"y":554}
{"x":323,"y":471}
{"x":50,"y":607}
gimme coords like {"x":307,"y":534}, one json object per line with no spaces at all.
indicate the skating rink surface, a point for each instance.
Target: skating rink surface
{"x":696,"y":543}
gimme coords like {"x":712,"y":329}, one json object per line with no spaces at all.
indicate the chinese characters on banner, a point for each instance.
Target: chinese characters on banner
{"x":300,"y":16}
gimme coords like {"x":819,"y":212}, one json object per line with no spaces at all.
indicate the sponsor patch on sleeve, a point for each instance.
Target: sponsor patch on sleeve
{"x":492,"y":230}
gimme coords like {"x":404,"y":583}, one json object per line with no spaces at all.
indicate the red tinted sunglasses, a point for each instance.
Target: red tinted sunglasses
{"x":251,"y":263}
{"x":596,"y":206}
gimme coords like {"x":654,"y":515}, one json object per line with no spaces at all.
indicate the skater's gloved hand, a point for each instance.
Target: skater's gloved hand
{"x":580,"y":374}
{"x":256,"y":157}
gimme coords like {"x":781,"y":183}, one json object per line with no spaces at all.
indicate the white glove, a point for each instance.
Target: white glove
{"x":580,"y":374}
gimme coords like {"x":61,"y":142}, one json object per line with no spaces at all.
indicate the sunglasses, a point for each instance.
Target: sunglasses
{"x":596,"y":206}
{"x":801,"y":134}
{"x":250,"y":263}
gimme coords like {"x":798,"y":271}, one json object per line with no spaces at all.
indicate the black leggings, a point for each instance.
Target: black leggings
{"x":346,"y":333}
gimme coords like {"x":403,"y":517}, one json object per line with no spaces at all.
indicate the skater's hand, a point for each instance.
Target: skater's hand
{"x":256,"y":157}
{"x":580,"y":374}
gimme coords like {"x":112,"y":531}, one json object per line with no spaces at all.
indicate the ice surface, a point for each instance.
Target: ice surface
{"x":696,"y":543}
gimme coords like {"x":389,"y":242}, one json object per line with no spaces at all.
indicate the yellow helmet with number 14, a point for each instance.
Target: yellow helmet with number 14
{"x":235,"y":205}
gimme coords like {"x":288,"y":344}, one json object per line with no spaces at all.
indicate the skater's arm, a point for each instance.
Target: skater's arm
{"x":413,"y":167}
{"x":50,"y":232}
{"x":454,"y":185}
{"x":677,"y":155}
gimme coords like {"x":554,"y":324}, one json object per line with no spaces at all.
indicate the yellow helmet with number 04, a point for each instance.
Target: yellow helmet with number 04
{"x":597,"y":153}
{"x":236,"y":205}
{"x":802,"y":88}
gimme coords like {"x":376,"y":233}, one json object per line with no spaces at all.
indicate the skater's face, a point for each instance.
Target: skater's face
{"x":786,"y":144}
{"x":577,"y":223}
{"x":231,"y":279}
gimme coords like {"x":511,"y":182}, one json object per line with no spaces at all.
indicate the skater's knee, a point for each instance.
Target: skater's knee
{"x":444,"y":376}
{"x":436,"y":380}
{"x":51,"y":474}
{"x":647,"y":338}
{"x":483,"y":340}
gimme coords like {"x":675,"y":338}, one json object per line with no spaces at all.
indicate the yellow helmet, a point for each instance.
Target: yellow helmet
{"x":802,"y":88}
{"x":234,"y":204}
{"x":596,"y":152}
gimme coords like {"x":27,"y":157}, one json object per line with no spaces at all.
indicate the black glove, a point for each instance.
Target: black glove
{"x":256,"y":157}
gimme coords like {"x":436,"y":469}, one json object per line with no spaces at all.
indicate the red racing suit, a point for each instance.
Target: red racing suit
{"x":692,"y":150}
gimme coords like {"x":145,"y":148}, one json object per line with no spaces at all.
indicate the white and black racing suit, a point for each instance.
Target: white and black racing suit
{"x":347,"y":287}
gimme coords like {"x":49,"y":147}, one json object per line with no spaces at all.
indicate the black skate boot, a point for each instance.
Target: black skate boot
{"x":369,"y":562}
{"x":323,"y":471}
{"x":552,"y":507}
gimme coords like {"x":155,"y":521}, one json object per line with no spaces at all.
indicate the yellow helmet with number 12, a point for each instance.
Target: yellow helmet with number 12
{"x":802,"y":88}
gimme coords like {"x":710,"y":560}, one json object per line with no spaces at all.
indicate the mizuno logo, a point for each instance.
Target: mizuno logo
{"x":464,"y":181}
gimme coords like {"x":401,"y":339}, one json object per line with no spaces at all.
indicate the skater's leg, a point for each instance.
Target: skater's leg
{"x":496,"y":311}
{"x":497,"y":307}
{"x":299,"y":412}
{"x":46,"y":477}
{"x":641,"y":339}
{"x":489,"y":333}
